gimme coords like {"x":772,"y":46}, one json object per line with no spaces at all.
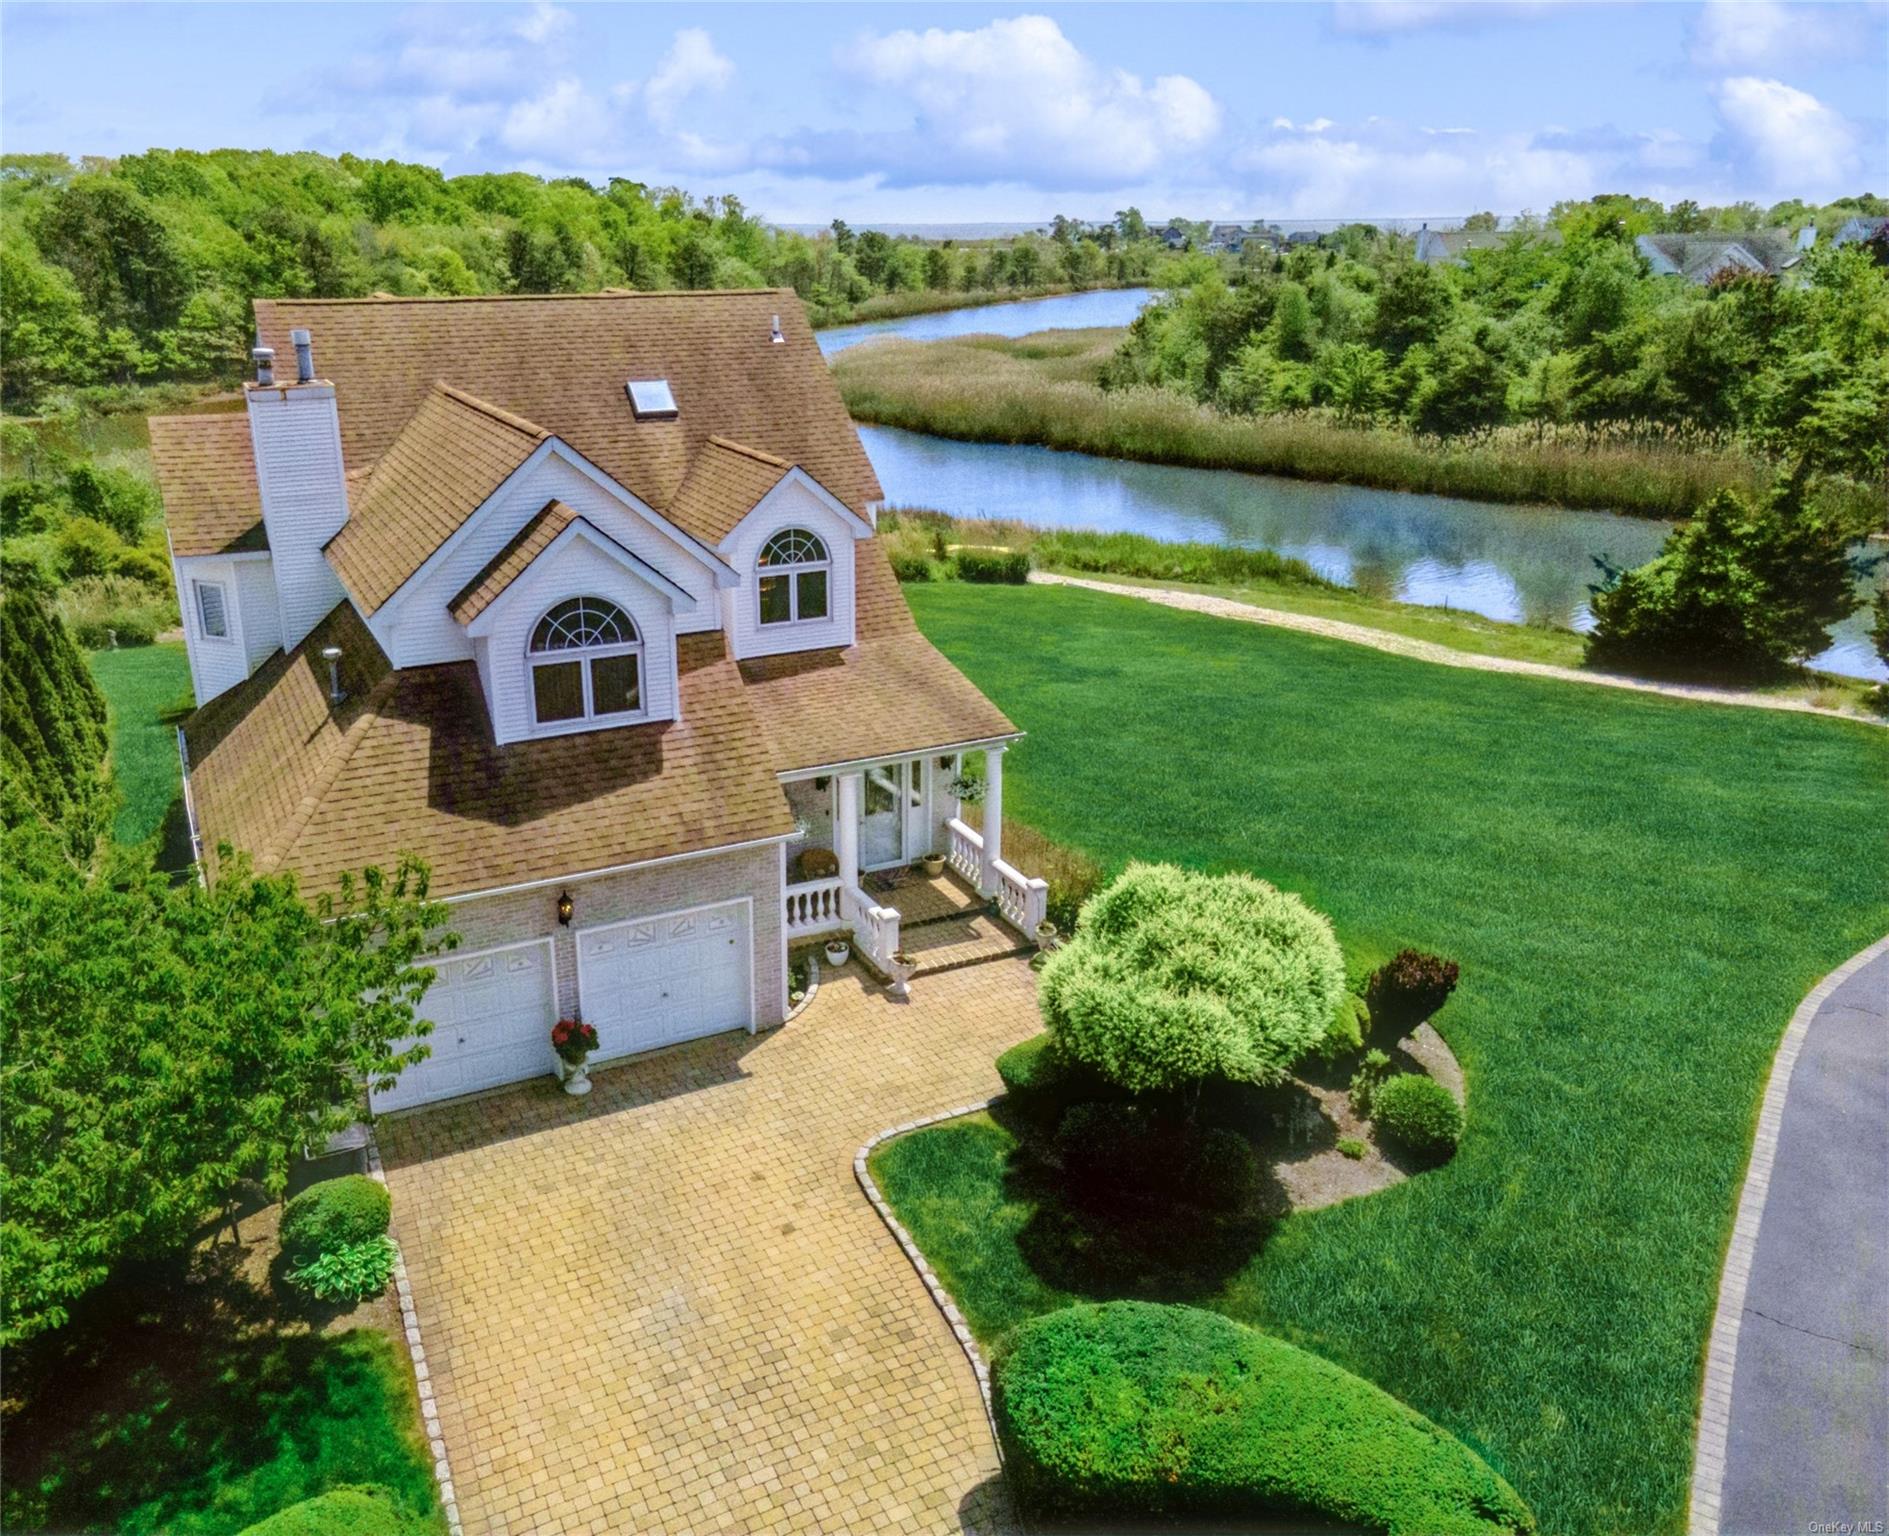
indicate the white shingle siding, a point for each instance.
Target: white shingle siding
{"x":260,"y":611}
{"x":219,"y":663}
{"x":579,"y":569}
{"x":488,"y":921}
{"x":296,"y":435}
{"x":788,"y":505}
{"x":416,"y":626}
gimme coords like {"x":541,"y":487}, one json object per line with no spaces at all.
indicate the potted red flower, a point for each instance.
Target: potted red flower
{"x":574,"y":1042}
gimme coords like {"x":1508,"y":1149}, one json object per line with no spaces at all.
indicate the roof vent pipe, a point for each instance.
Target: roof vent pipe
{"x":332,"y":655}
{"x":777,"y":338}
{"x":304,"y":356}
{"x":265,"y":364}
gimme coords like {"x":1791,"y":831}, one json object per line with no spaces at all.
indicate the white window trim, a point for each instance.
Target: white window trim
{"x":198,"y":584}
{"x":793,"y":574}
{"x":583,"y":656}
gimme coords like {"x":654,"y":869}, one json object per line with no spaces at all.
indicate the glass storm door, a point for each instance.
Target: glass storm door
{"x":882,"y":816}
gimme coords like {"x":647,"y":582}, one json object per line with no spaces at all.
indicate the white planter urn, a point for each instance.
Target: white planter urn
{"x":837,"y":951}
{"x":576,"y":1075}
{"x":901,"y":969}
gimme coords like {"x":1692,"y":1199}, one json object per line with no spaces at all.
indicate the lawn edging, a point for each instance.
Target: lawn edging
{"x":1715,"y":1405}
{"x":941,"y":1298}
{"x":416,"y":1351}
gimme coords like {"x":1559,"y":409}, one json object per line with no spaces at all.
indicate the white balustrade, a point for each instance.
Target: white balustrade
{"x":875,"y":928}
{"x":815,"y":906}
{"x":966,"y":852}
{"x":1022,"y":899}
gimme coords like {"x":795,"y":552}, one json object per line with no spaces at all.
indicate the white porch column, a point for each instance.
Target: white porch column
{"x":993,"y":818}
{"x":846,"y":830}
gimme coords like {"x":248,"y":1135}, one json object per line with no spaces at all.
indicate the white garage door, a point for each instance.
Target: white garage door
{"x":492,"y":1015}
{"x":654,"y":981}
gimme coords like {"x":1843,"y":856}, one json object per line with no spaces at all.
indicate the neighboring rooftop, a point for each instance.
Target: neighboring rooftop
{"x":1700,"y":258}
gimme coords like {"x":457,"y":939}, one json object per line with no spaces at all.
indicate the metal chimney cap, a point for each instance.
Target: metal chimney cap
{"x":263,"y":354}
{"x":300,"y":336}
{"x":331,"y":653}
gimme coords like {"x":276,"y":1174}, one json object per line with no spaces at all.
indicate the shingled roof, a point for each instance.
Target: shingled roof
{"x":562,"y":362}
{"x":723,"y":485}
{"x":455,"y":452}
{"x":513,"y":560}
{"x":206,"y":470}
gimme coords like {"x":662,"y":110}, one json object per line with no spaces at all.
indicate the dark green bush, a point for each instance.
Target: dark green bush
{"x":1131,"y":1409}
{"x":1408,"y":990}
{"x":1370,"y":1075}
{"x":1350,"y":1023}
{"x":1419,"y":1113}
{"x":355,"y":1509}
{"x":911,"y":567}
{"x":1042,"y":1083}
{"x":332,"y":1215}
{"x":1011,"y":566}
{"x":1111,"y":1151}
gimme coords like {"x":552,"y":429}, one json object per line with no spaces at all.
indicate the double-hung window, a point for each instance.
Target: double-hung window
{"x":213,"y":610}
{"x":793,"y":574}
{"x":586,"y":663}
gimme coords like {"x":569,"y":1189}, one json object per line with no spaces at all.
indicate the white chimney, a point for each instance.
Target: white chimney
{"x":295,"y":432}
{"x":777,"y":338}
{"x":264,"y":358}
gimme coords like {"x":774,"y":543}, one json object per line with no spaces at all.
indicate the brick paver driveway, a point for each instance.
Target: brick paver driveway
{"x":668,"y":1307}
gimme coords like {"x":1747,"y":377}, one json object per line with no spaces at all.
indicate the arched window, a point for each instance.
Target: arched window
{"x":793,"y":569}
{"x":586,"y":663}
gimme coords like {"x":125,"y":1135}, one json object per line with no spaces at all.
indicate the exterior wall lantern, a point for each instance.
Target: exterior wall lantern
{"x":565,"y":907}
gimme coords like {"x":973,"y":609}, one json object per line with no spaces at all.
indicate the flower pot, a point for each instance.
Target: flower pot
{"x":576,"y":1076}
{"x":933,"y":864}
{"x":837,"y":951}
{"x":1046,"y":935}
{"x":901,"y":968}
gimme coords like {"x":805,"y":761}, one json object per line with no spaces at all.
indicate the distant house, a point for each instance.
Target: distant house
{"x":1175,"y":236}
{"x":1226,"y":237}
{"x":1303,"y":237}
{"x":1446,"y":247}
{"x":1701,"y":259}
{"x":1860,"y":231}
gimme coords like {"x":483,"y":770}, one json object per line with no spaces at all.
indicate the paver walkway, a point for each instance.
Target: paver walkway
{"x":1806,"y":1442}
{"x":1429,"y":650}
{"x":668,"y":1307}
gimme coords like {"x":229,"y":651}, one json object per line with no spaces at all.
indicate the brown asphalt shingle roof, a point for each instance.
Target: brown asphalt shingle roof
{"x":455,"y":452}
{"x":724,"y":483}
{"x":562,"y":362}
{"x":407,"y":762}
{"x":206,"y":470}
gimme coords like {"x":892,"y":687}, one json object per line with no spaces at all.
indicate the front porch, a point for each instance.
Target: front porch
{"x":872,"y":826}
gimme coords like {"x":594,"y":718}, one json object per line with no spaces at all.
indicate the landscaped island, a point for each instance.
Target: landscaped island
{"x":1635,"y":920}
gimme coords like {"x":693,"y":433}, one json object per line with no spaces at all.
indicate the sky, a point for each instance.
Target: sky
{"x":967,"y":112}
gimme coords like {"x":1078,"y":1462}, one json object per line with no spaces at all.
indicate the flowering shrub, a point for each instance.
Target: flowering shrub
{"x":572,"y":1040}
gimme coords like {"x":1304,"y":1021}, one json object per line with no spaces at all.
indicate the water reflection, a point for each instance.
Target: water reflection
{"x":1069,"y":311}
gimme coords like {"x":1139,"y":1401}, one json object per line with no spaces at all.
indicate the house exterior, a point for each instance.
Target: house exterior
{"x":580,"y":600}
{"x":1702,"y":259}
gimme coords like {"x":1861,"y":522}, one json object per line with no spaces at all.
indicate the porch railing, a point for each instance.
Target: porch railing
{"x":875,"y":928}
{"x":816,"y":906}
{"x":1021,"y":899}
{"x":966,"y":853}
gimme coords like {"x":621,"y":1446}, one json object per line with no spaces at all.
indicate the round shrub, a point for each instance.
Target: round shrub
{"x":1134,"y":1409}
{"x":1011,"y":566}
{"x":1410,"y":989}
{"x":1110,"y":1151}
{"x":1419,"y":1113}
{"x":354,"y":1509}
{"x":334,"y":1214}
{"x":1174,"y":976}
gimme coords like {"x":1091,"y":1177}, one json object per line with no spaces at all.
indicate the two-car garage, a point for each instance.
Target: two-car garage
{"x":642,"y":983}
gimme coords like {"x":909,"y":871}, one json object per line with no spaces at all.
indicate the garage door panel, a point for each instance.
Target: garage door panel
{"x":491,"y":1016}
{"x":649,"y":983}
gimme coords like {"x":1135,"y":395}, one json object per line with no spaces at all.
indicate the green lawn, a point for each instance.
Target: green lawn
{"x":1639,"y":890}
{"x":190,"y":1422}
{"x":137,"y":684}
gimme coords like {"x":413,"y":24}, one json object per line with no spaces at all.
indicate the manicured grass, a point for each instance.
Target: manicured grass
{"x":197,"y":1425}
{"x":1639,"y":891}
{"x":1041,"y":389}
{"x":138,"y":683}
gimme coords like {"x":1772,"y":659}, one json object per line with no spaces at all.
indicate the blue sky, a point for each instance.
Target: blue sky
{"x":962,"y":112}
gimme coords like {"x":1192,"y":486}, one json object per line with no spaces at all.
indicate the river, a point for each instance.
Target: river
{"x":1530,"y":565}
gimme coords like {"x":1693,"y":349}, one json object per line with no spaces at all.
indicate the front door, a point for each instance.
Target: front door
{"x":882,"y":815}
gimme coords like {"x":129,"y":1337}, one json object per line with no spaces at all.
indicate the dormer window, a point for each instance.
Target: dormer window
{"x":586,"y":663}
{"x":793,"y":568}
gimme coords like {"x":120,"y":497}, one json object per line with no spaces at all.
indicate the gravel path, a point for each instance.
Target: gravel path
{"x":1428,"y":650}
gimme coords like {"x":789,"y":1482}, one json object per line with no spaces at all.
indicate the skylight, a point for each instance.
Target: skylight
{"x":651,"y":399}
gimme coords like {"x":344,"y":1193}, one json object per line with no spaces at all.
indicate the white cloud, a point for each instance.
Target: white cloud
{"x":564,"y":120}
{"x":692,"y":64}
{"x":1761,"y":34}
{"x":1016,"y":98}
{"x":544,"y":22}
{"x":1795,"y":143}
{"x":1389,"y":18}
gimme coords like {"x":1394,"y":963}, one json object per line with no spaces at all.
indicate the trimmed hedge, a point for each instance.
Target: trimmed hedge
{"x":334,"y":1214}
{"x":1113,"y":1150}
{"x":1419,"y":1113}
{"x":1135,"y":1409}
{"x":354,"y":1509}
{"x":1010,"y":566}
